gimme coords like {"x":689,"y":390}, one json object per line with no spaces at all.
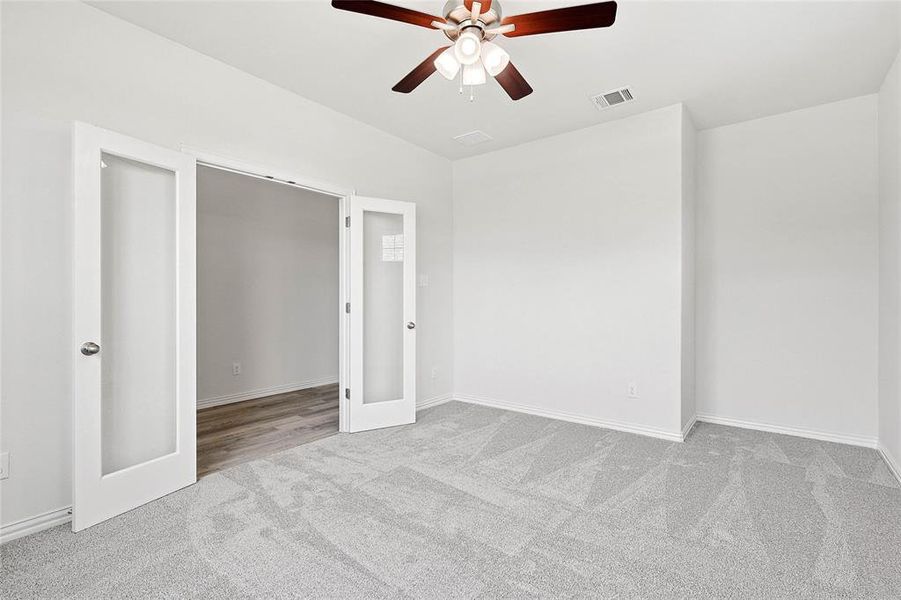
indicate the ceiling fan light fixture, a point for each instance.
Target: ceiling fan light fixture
{"x":467,"y":48}
{"x":474,"y":74}
{"x":469,"y":25}
{"x":447,"y":64}
{"x":494,"y":58}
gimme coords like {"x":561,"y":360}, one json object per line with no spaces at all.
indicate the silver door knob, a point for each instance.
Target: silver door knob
{"x":411,"y":325}
{"x":90,"y":348}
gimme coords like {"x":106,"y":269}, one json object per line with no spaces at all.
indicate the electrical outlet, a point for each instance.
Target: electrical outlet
{"x":633,"y":389}
{"x":435,"y":372}
{"x":4,"y":465}
{"x":236,"y":368}
{"x":423,"y":280}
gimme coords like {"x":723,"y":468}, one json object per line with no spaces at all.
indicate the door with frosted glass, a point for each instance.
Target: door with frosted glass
{"x":134,"y":324}
{"x":382,"y":387}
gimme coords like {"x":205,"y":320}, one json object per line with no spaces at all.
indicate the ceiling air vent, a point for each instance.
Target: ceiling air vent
{"x":612,"y":98}
{"x":473,"y":137}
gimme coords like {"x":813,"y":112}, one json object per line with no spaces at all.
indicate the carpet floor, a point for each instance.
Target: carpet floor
{"x":473,"y":502}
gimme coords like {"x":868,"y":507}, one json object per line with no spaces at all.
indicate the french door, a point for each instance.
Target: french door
{"x":134,"y":410}
{"x":134,"y":406}
{"x":382,"y":387}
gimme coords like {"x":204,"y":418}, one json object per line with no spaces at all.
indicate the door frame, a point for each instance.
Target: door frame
{"x":343,"y":195}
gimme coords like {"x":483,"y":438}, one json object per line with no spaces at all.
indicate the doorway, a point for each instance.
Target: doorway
{"x":135,"y":321}
{"x":267,"y":330}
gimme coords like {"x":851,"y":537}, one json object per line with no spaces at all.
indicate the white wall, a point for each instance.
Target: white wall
{"x":67,"y":61}
{"x":568,"y":272}
{"x":267,"y":286}
{"x":787,"y":270}
{"x":890,"y":263}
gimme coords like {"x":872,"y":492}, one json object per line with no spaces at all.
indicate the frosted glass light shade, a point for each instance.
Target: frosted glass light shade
{"x":494,"y":58}
{"x":447,"y":64}
{"x":467,"y":48}
{"x":474,"y":74}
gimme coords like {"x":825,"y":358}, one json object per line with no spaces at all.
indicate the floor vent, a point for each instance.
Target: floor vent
{"x":612,"y":98}
{"x":473,"y":137}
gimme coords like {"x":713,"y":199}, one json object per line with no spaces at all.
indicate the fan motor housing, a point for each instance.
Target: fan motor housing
{"x":456,"y":13}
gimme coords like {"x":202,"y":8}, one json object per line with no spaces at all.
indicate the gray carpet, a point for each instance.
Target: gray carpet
{"x":474,"y":502}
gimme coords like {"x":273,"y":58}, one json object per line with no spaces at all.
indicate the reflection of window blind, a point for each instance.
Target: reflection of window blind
{"x":393,"y":248}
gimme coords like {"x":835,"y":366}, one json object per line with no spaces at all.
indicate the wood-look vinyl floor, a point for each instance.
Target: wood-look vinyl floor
{"x":235,"y":433}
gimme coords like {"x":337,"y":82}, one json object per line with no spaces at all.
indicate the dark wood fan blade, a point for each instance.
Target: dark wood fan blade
{"x":587,"y":16}
{"x":513,"y":82}
{"x":387,"y":11}
{"x":419,"y":74}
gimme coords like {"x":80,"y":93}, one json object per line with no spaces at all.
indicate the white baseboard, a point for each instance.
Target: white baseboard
{"x":433,"y":401}
{"x":823,"y":436}
{"x":893,"y":463}
{"x":672,"y":436}
{"x":263,"y":392}
{"x":688,"y":427}
{"x":14,"y":531}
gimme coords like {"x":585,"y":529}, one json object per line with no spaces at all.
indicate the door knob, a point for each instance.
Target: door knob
{"x":90,"y":348}
{"x":411,"y":325}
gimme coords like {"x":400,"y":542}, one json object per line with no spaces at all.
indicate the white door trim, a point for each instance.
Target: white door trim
{"x":343,"y":195}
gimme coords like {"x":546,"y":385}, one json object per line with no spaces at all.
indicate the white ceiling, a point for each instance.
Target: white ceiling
{"x":728,"y":61}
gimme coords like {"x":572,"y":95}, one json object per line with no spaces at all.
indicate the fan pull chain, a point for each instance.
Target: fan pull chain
{"x":471,"y":96}
{"x":461,"y":81}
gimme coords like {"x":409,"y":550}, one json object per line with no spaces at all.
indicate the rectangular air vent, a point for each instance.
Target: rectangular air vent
{"x":473,"y":137}
{"x":612,"y":98}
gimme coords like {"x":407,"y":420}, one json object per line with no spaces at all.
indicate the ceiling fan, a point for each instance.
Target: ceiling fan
{"x":471,"y":26}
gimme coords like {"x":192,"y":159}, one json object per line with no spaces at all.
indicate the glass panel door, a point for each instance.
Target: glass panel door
{"x":134,"y":409}
{"x":382,"y":390}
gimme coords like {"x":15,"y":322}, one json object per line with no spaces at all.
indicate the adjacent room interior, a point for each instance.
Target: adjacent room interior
{"x":267,"y":317}
{"x":460,"y":299}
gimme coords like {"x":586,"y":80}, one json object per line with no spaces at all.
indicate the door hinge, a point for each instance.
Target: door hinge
{"x":347,"y":308}
{"x":347,"y":221}
{"x":347,"y":393}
